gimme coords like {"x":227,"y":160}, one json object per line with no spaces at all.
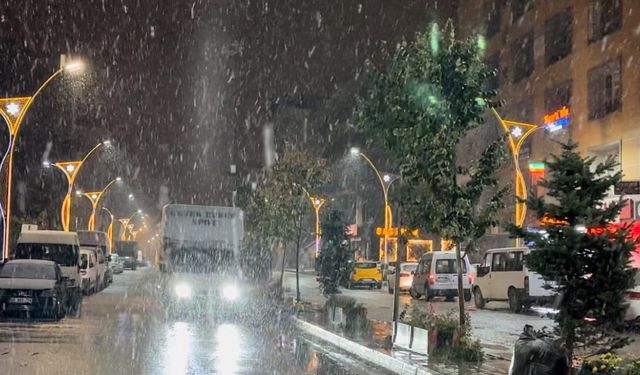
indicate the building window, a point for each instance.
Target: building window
{"x":522,"y":52}
{"x":557,"y":36}
{"x":557,"y":97}
{"x":493,"y":64}
{"x":605,"y":17}
{"x":493,"y":17}
{"x":604,"y":89}
{"x":519,"y":8}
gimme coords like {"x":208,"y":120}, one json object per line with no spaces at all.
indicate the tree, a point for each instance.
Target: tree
{"x":335,"y":255}
{"x":285,"y":194}
{"x":430,"y":97}
{"x":584,"y":257}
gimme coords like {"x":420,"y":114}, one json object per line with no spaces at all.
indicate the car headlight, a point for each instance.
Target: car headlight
{"x":230,"y":292}
{"x":182,"y":290}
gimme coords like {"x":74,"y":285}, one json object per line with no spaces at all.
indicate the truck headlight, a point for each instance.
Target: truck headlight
{"x":182,"y":290}
{"x":230,"y":292}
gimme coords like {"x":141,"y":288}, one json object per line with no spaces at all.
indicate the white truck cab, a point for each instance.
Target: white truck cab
{"x":503,"y":276}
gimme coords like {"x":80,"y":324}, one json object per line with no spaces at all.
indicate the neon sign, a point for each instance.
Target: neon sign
{"x":536,"y":167}
{"x":557,"y":119}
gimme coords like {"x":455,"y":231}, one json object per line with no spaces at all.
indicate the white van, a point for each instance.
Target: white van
{"x":437,"y":275}
{"x":96,"y":239}
{"x":58,"y":246}
{"x":503,"y":276}
{"x":89,"y":270}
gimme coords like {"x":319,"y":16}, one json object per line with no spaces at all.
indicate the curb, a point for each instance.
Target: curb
{"x":373,"y":356}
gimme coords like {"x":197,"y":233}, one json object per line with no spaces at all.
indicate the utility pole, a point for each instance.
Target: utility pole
{"x":402,"y":242}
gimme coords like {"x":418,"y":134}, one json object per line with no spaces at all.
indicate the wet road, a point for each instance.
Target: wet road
{"x":124,"y":330}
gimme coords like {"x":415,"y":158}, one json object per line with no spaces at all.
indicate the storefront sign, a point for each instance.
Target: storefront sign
{"x":557,"y":120}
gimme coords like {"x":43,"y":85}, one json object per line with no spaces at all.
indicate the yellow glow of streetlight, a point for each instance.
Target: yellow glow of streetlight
{"x":110,"y":229}
{"x":317,"y":203}
{"x":517,"y":133}
{"x":385,"y":181}
{"x":71,"y":170}
{"x":94,"y":198}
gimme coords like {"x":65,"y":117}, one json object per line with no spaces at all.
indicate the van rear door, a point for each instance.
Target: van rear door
{"x":446,"y":276}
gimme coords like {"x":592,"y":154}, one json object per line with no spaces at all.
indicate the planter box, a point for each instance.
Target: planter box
{"x":403,"y":336}
{"x":420,"y":343}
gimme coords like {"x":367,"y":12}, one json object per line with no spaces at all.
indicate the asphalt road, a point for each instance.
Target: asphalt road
{"x":495,"y":326}
{"x":125,"y":330}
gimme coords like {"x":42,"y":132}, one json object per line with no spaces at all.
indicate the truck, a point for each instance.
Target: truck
{"x":127,"y":253}
{"x":199,"y":256}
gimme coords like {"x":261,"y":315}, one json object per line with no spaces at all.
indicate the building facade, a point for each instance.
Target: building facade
{"x":568,"y":66}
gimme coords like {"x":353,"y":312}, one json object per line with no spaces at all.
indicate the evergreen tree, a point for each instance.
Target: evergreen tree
{"x":333,"y":262}
{"x":584,"y":257}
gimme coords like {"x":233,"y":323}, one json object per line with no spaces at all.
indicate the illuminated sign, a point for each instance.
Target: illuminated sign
{"x":393,"y":232}
{"x":547,"y":220}
{"x":557,"y":119}
{"x":536,"y":167}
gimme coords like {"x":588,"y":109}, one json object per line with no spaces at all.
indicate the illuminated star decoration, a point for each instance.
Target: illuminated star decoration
{"x":13,"y":109}
{"x":516,"y":132}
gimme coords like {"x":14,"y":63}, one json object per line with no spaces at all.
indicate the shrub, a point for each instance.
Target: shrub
{"x":633,"y":368}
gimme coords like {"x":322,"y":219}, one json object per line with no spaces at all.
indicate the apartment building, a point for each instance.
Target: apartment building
{"x":570,"y":67}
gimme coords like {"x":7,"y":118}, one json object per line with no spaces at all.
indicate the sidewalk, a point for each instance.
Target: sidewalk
{"x":374,"y":347}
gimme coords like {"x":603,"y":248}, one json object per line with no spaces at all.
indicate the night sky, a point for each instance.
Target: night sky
{"x":182,"y":87}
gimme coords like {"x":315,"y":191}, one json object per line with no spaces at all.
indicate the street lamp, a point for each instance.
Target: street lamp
{"x":517,"y":132}
{"x":94,"y":198}
{"x":13,"y":110}
{"x":385,"y":181}
{"x":126,"y":224}
{"x":110,"y":229}
{"x":317,"y":203}
{"x":70,"y":170}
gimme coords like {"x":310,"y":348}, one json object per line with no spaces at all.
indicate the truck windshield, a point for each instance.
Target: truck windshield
{"x":63,"y":254}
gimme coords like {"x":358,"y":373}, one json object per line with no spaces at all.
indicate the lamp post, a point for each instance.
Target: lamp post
{"x":317,"y":203}
{"x":110,"y":229}
{"x":13,"y":110}
{"x":125,"y":224}
{"x":70,"y":170}
{"x":517,"y":132}
{"x":94,"y":198}
{"x":385,"y":181}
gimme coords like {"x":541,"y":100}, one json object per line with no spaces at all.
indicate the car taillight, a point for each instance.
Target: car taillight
{"x":634,"y":295}
{"x":526,"y":284}
{"x":404,"y":274}
{"x":472,"y":278}
{"x":432,"y":279}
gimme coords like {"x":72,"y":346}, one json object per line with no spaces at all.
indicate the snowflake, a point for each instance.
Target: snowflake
{"x":13,"y":109}
{"x":516,"y":132}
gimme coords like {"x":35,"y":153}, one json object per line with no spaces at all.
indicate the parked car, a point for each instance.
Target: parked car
{"x":406,"y":277}
{"x":503,"y":276}
{"x":61,"y":247}
{"x":89,"y":270}
{"x":33,"y":287}
{"x":633,"y":299}
{"x":129,"y":263}
{"x":115,"y":265}
{"x":99,"y":240}
{"x":366,"y":274}
{"x":437,"y":275}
